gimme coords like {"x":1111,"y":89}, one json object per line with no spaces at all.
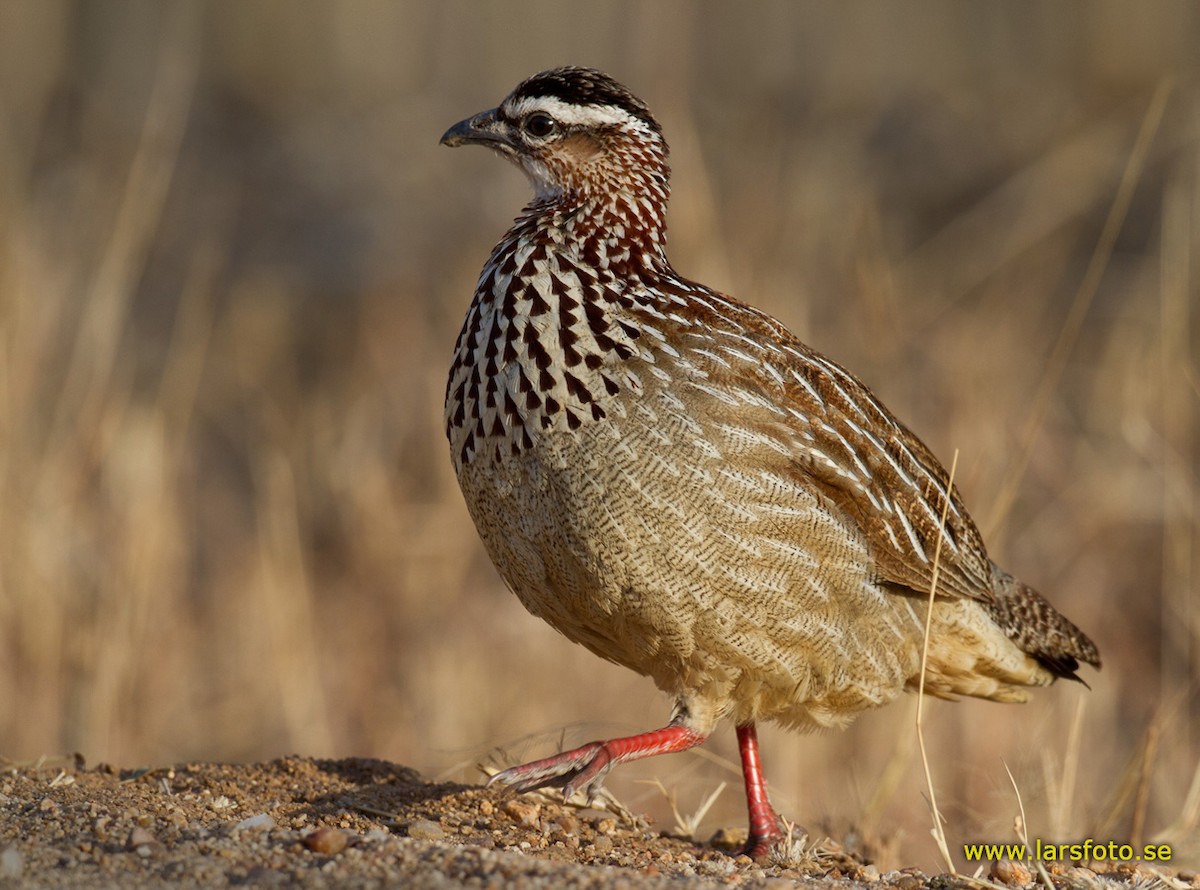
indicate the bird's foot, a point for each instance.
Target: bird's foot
{"x":778,"y":842}
{"x":581,"y":768}
{"x":584,"y":768}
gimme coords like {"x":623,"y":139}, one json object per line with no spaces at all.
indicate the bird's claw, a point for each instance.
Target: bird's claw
{"x":582,"y":769}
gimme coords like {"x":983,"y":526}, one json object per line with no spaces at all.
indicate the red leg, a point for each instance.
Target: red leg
{"x":765,"y":825}
{"x":586,"y":767}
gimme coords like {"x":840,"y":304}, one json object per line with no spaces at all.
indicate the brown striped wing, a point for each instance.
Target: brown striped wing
{"x":857,"y":453}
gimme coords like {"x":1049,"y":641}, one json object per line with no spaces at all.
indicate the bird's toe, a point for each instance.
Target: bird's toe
{"x":571,"y":770}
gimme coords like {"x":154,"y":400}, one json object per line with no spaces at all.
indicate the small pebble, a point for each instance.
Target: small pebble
{"x":142,"y":842}
{"x":326,"y":841}
{"x":177,"y":818}
{"x":524,"y":812}
{"x":567,"y":824}
{"x":426,"y":830}
{"x":1011,"y":872}
{"x":256,"y":823}
{"x":602,"y":845}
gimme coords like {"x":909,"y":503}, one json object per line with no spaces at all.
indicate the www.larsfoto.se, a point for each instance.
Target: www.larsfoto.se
{"x":1112,"y":851}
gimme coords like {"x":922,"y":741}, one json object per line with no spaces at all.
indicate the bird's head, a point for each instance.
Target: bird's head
{"x":575,"y":131}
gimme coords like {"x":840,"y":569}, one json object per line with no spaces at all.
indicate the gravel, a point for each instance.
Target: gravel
{"x":299,"y":822}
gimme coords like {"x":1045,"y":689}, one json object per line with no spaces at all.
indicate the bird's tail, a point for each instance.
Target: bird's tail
{"x":1029,"y":620}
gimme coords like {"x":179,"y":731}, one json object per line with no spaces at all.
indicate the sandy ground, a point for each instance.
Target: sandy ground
{"x":299,"y":822}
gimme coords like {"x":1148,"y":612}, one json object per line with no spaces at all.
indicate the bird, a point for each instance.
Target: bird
{"x":671,"y":478}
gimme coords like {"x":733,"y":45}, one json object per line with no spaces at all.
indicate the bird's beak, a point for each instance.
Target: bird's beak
{"x":485,"y":128}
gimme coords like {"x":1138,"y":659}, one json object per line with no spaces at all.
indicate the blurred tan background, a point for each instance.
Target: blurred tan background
{"x":233,"y":261}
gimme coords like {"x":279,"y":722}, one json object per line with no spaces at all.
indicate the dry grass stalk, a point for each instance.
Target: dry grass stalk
{"x":686,"y":826}
{"x":1187,"y":824}
{"x":1023,"y":834}
{"x":1062,"y":791}
{"x":1141,"y":797}
{"x":796,"y":851}
{"x":938,"y":830}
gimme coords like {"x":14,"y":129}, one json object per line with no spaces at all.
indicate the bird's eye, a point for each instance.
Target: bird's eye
{"x":540,"y":125}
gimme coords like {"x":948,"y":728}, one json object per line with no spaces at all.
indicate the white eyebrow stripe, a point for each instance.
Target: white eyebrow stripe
{"x":570,"y":115}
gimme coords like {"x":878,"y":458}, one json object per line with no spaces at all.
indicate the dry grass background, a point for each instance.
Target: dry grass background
{"x":233,"y":261}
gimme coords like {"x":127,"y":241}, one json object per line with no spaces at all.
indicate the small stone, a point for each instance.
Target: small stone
{"x":869,"y":873}
{"x":261,"y":822}
{"x":567,"y":824}
{"x":426,"y":830}
{"x":140,"y":835}
{"x":602,"y":845}
{"x":178,"y":819}
{"x":907,"y":882}
{"x":486,"y":808}
{"x":142,"y":842}
{"x":524,"y":812}
{"x":326,"y":841}
{"x":1011,"y":872}
{"x":48,"y":806}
